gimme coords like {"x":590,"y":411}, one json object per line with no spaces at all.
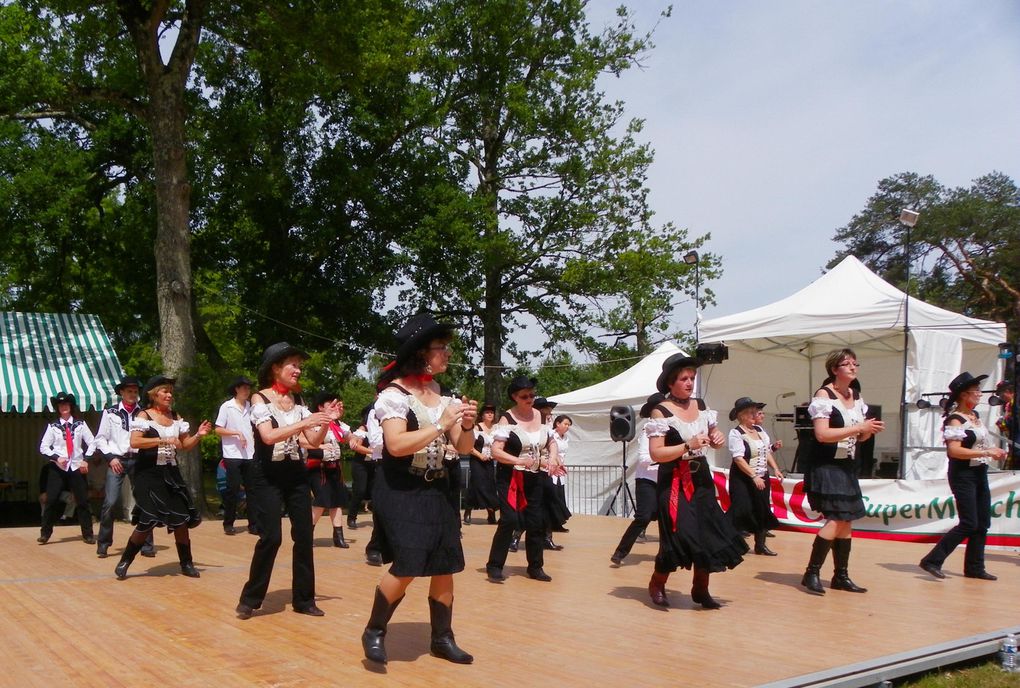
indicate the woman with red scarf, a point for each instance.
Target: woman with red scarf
{"x":693,"y":530}
{"x":325,"y":470}
{"x":281,"y":420}
{"x":523,"y":446}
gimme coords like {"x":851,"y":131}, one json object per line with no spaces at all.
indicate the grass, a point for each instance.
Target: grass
{"x":983,"y":673}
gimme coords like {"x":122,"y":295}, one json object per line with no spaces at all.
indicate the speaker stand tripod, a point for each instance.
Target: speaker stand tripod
{"x":625,"y":489}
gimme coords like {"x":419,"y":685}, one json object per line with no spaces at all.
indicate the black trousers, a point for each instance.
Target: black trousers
{"x":239,"y":471}
{"x":362,"y":480}
{"x":58,"y":481}
{"x":974,"y":507}
{"x":645,"y":511}
{"x":531,"y":521}
{"x":276,"y":486}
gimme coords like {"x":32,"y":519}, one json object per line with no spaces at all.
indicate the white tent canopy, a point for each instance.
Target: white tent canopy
{"x":777,"y":352}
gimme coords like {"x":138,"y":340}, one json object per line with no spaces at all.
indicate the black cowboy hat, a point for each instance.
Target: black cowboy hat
{"x":275,"y":353}
{"x":235,"y":383}
{"x":521,"y":382}
{"x":417,"y":332}
{"x":63,"y":398}
{"x":487,"y":407}
{"x":961,"y":382}
{"x":744,"y":403}
{"x":127,"y":381}
{"x":321,"y":398}
{"x":651,"y":402}
{"x":542,"y":402}
{"x":1004,"y":386}
{"x":678,"y":360}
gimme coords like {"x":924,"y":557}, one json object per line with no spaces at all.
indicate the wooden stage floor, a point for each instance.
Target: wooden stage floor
{"x":68,"y":621}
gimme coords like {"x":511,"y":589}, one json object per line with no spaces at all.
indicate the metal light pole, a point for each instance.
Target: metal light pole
{"x":692,"y":258}
{"x":908,"y":218}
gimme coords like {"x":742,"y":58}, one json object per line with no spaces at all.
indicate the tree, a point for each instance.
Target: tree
{"x":540,"y":178}
{"x":964,"y":251}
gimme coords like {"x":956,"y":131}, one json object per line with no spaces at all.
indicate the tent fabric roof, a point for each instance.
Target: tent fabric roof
{"x":632,"y":386}
{"x":45,"y":353}
{"x":847,"y":297}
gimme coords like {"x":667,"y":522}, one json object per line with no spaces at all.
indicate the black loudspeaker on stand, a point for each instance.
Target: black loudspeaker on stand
{"x":621,"y":429}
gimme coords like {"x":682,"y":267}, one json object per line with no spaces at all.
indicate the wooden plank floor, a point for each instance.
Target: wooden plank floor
{"x":68,"y":621}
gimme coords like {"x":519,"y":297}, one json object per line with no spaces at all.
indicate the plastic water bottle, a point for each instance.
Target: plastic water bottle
{"x":1009,"y":658}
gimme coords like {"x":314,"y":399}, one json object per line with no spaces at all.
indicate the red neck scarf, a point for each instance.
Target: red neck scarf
{"x":283,"y":390}
{"x":420,"y":378}
{"x":130,"y":408}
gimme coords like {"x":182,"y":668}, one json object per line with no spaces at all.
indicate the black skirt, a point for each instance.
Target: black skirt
{"x":750,"y":508}
{"x":327,"y":485}
{"x":419,"y":520}
{"x":833,"y":489}
{"x":162,"y":498}
{"x":481,"y":491}
{"x":701,"y":534}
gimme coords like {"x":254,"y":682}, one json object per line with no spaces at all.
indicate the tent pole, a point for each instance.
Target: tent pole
{"x":908,"y":218}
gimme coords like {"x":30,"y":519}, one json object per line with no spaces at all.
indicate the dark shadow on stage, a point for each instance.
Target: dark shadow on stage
{"x":916,"y":570}
{"x":638,"y":595}
{"x":634,"y":560}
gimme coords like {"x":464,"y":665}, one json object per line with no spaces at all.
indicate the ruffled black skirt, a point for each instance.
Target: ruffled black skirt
{"x":702,"y":535}
{"x":162,"y":499}
{"x":750,"y":508}
{"x":419,"y":521}
{"x":833,"y":489}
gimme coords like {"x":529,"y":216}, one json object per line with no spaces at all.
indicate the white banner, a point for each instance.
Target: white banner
{"x":914,"y":510}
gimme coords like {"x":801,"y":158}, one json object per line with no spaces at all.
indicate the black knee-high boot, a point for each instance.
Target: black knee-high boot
{"x":187,"y":564}
{"x":130,"y":552}
{"x":841,"y":559}
{"x":375,"y":632}
{"x":443,"y":645}
{"x":819,"y":551}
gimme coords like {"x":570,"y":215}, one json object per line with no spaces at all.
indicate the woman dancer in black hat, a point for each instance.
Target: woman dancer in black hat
{"x":325,"y":470}
{"x":750,"y":496}
{"x":523,"y":446}
{"x":161,"y":495}
{"x":63,"y":443}
{"x":481,"y":492}
{"x":280,"y":419}
{"x":969,"y":449}
{"x":830,"y":477}
{"x":415,"y":501}
{"x":693,"y":530}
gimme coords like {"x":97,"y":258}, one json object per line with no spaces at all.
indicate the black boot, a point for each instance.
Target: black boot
{"x":819,"y":551}
{"x":375,"y":632}
{"x":187,"y":564}
{"x":467,"y":517}
{"x":338,"y":538}
{"x":130,"y":552}
{"x":516,"y":541}
{"x":548,"y":542}
{"x":443,"y":644}
{"x":491,"y":518}
{"x":657,"y":589}
{"x":759,"y":545}
{"x":699,"y":590}
{"x":841,"y":558}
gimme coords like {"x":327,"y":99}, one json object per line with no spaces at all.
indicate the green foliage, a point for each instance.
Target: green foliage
{"x":964,"y":251}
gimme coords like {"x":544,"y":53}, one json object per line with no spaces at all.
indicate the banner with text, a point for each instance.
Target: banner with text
{"x":912,"y":510}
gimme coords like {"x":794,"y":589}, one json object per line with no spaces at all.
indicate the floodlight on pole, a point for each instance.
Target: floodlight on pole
{"x":908,"y":218}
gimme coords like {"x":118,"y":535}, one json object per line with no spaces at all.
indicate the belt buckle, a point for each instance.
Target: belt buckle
{"x":694,"y":465}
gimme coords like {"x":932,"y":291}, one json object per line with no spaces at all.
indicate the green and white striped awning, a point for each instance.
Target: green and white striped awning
{"x":42,"y":354}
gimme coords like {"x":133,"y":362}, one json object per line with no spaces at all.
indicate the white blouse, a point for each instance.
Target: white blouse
{"x":822,"y":407}
{"x":165,"y":454}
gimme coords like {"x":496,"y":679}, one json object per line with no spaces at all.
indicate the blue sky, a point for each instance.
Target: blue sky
{"x":774,"y":121}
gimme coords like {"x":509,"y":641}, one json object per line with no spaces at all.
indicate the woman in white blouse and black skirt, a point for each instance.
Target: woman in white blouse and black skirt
{"x":415,"y":501}
{"x":281,"y":480}
{"x":481,"y":492}
{"x":750,"y":496}
{"x":693,"y":530}
{"x":161,"y":495}
{"x":830,"y":476}
{"x":969,"y":449}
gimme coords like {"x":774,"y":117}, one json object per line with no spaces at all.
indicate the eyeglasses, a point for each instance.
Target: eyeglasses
{"x":848,"y":364}
{"x":526,"y":396}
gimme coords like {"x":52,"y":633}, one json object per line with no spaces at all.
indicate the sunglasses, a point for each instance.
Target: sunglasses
{"x":526,"y":396}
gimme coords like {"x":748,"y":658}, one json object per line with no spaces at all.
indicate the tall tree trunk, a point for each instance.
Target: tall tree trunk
{"x":492,"y":339}
{"x":165,"y":114}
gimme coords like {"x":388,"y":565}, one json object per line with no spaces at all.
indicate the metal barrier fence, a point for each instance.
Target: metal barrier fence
{"x":591,"y":489}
